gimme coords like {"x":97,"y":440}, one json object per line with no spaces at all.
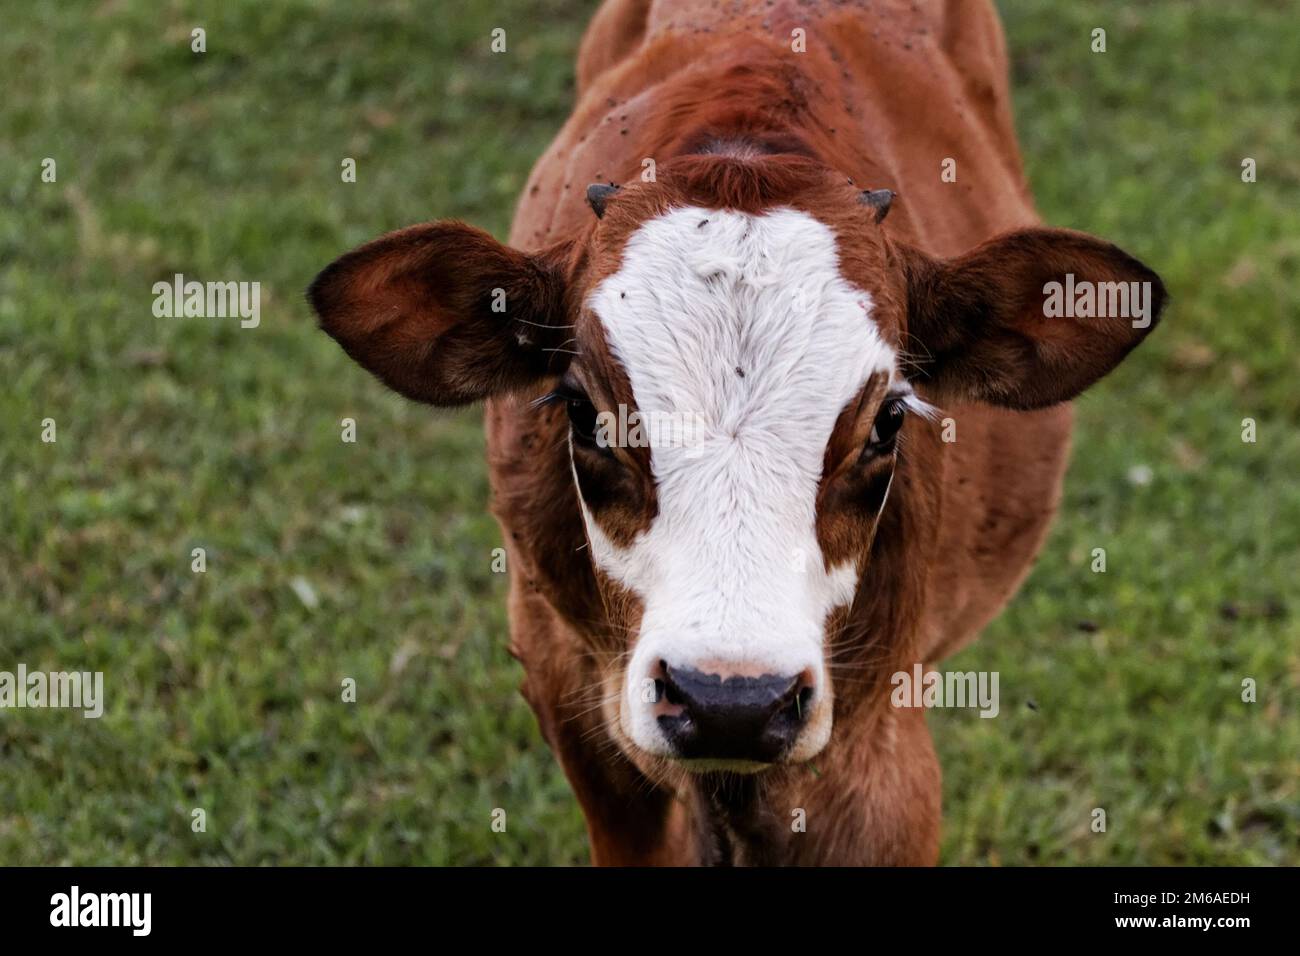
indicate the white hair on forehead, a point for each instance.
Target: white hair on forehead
{"x":726,"y":293}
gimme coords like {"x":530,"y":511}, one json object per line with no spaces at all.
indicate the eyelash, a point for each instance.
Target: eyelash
{"x":557,"y":395}
{"x":569,"y":396}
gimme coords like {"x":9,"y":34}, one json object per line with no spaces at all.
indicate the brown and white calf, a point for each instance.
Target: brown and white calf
{"x":708,"y":626}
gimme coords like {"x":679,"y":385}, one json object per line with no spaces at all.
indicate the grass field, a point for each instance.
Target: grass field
{"x":328,"y":560}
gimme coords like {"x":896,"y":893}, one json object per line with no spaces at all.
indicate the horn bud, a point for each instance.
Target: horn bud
{"x":879,"y":200}
{"x":597,"y":195}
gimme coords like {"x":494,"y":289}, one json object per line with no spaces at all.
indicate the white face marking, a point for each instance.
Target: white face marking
{"x":730,"y":570}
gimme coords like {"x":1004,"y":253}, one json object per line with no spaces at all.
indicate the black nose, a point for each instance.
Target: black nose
{"x":739,"y":718}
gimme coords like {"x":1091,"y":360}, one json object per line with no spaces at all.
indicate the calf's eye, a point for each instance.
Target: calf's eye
{"x":582,"y":418}
{"x":888,"y":421}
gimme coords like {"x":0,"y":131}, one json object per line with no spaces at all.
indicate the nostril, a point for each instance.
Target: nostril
{"x":803,"y":703}
{"x":666,"y":689}
{"x":803,"y":697}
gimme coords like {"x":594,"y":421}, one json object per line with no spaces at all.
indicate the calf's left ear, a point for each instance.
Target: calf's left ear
{"x":1027,"y":319}
{"x":445,"y":314}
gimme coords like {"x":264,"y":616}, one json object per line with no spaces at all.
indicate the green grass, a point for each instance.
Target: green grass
{"x":224,"y":688}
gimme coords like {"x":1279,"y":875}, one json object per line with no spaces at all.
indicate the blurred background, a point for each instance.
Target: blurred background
{"x":372,"y":560}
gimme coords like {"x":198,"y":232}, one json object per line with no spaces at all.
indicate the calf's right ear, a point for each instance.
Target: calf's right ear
{"x":443,"y":313}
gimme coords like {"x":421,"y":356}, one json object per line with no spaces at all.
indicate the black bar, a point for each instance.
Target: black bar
{"x":334,"y":906}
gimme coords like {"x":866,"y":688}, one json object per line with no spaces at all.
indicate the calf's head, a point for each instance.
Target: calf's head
{"x":740,"y":350}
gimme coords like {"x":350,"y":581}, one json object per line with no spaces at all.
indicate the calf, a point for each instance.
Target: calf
{"x":709,"y":613}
